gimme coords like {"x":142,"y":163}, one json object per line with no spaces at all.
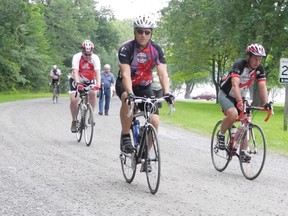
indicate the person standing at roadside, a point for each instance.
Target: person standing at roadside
{"x":107,"y":88}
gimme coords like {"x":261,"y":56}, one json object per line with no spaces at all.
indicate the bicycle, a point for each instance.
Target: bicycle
{"x":85,"y":119}
{"x":55,"y":91}
{"x":145,"y":141}
{"x":248,"y":134}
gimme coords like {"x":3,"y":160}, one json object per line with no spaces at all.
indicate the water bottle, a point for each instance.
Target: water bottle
{"x":136,"y":125}
{"x":233,"y":131}
{"x":238,"y":133}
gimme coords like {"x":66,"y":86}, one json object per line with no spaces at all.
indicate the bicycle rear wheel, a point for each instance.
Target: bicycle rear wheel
{"x":256,"y":150}
{"x":220,"y":158}
{"x":55,"y":95}
{"x":128,"y":162}
{"x":89,"y":125}
{"x":153,"y":161}
{"x":79,"y":123}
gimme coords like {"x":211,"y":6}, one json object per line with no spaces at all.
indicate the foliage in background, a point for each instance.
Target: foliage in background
{"x":209,"y":35}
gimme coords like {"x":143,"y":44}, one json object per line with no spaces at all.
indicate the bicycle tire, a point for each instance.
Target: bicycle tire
{"x":79,"y":123}
{"x":128,"y":162}
{"x":55,"y":95}
{"x":153,"y":159}
{"x":257,"y":150}
{"x":89,"y":125}
{"x":220,"y":158}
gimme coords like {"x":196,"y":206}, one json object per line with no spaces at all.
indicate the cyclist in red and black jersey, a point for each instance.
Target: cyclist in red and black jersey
{"x":235,"y":86}
{"x":138,"y":57}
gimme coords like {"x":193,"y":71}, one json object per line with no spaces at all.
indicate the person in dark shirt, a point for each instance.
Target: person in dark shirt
{"x":236,"y":85}
{"x":138,"y":58}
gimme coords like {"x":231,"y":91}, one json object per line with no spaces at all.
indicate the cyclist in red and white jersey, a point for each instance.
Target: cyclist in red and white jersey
{"x":235,"y":86}
{"x":85,"y":70}
{"x":138,"y":57}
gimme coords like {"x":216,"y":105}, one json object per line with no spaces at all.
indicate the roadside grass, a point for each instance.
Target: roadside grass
{"x":9,"y":97}
{"x":200,"y":117}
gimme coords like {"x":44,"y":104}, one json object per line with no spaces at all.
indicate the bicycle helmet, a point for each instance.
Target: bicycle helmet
{"x":256,"y":49}
{"x":55,"y":66}
{"x":87,"y":46}
{"x":144,"y":21}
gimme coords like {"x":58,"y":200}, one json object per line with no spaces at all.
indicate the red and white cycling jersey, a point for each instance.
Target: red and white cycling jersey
{"x":247,"y":76}
{"x":86,"y":68}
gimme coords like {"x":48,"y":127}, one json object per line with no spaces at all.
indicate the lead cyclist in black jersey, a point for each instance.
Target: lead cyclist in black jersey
{"x":137,"y":58}
{"x":235,"y":86}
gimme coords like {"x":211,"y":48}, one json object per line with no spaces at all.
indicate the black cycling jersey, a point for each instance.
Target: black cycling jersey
{"x":247,"y":76}
{"x":142,"y":62}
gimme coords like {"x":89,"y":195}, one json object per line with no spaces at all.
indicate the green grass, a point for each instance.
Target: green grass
{"x":200,"y":117}
{"x":8,"y":97}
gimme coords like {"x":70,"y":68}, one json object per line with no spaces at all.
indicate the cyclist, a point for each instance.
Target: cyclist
{"x":85,"y":69}
{"x":235,"y":86}
{"x":138,"y":57}
{"x":55,"y":77}
{"x":107,"y":80}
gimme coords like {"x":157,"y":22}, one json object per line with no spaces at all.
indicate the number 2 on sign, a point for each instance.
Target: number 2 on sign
{"x":285,"y":71}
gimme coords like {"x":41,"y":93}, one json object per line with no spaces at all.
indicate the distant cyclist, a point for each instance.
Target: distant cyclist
{"x":55,"y":77}
{"x":85,"y":70}
{"x":138,"y":57}
{"x":235,"y":86}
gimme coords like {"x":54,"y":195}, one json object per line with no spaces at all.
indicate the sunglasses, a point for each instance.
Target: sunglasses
{"x":140,"y":31}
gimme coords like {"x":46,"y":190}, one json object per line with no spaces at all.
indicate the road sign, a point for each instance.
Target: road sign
{"x":283,"y":70}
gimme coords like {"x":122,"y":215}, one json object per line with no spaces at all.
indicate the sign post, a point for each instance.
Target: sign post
{"x":283,"y":79}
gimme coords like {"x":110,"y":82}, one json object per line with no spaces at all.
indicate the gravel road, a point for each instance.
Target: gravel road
{"x":45,"y":171}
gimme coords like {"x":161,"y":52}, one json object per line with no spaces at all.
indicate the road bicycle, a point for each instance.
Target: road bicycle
{"x":145,"y":141}
{"x":85,"y":119}
{"x":55,"y":92}
{"x":248,"y":136}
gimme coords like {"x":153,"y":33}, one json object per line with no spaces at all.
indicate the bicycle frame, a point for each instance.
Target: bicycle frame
{"x":245,"y":119}
{"x":85,"y":115}
{"x":147,"y":151}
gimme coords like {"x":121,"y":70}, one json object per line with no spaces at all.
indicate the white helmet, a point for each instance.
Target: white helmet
{"x":87,"y":46}
{"x":144,"y":21}
{"x":256,"y":49}
{"x":55,"y":66}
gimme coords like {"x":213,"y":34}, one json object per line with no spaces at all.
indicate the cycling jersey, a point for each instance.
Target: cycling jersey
{"x":247,"y":76}
{"x":86,"y":68}
{"x":141,"y":62}
{"x":55,"y":73}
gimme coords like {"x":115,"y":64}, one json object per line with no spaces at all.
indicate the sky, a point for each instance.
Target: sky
{"x":127,"y":9}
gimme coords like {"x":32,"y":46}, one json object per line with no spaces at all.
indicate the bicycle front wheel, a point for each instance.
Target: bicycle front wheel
{"x":79,"y":123}
{"x":153,"y":161}
{"x":128,"y":162}
{"x":89,"y":125}
{"x":220,"y":158}
{"x":55,"y":95}
{"x":256,"y":150}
